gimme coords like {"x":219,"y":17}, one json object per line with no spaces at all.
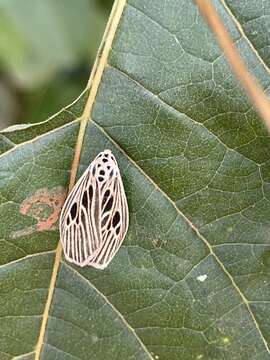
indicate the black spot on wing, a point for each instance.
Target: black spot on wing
{"x":73,"y":211}
{"x":104,"y":221}
{"x":85,"y":200}
{"x":116,"y":219}
{"x":90,"y":192}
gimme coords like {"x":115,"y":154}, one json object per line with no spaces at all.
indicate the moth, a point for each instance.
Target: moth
{"x":94,"y":219}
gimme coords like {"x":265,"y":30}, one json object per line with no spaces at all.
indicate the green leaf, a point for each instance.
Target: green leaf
{"x":192,"y":278}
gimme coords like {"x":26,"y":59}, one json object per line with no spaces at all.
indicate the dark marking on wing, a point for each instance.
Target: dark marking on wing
{"x":73,"y":211}
{"x":116,"y":219}
{"x":90,"y":192}
{"x":85,"y":200}
{"x":105,"y":197}
{"x":104,"y":221}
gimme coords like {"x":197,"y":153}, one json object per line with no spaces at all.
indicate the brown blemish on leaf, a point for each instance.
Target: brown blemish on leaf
{"x":44,"y":206}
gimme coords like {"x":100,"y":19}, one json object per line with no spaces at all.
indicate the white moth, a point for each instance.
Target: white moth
{"x":94,"y":218}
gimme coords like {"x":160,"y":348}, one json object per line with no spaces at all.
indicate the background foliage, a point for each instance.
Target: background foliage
{"x":46,"y":51}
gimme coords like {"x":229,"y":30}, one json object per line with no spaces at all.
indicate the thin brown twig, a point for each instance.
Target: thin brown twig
{"x":249,"y":83}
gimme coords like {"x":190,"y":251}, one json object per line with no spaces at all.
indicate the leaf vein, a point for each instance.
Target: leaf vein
{"x":175,"y":109}
{"x":112,"y":307}
{"x":243,"y":34}
{"x":199,"y":235}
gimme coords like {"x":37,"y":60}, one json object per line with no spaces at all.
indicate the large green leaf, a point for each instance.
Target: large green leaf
{"x":192,"y":278}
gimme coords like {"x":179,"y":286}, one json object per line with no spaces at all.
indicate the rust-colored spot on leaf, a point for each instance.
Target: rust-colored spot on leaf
{"x":45,"y":206}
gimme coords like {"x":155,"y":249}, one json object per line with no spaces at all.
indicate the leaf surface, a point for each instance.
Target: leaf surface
{"x":192,"y":278}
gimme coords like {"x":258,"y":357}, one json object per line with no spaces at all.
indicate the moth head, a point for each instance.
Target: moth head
{"x":104,"y":166}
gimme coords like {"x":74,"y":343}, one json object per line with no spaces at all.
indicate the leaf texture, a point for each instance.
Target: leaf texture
{"x":191,"y":280}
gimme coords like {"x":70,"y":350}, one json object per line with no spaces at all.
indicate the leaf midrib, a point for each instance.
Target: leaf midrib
{"x":93,"y":83}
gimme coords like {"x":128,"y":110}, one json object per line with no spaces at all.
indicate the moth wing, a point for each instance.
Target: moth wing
{"x":113,"y":225}
{"x":79,"y":220}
